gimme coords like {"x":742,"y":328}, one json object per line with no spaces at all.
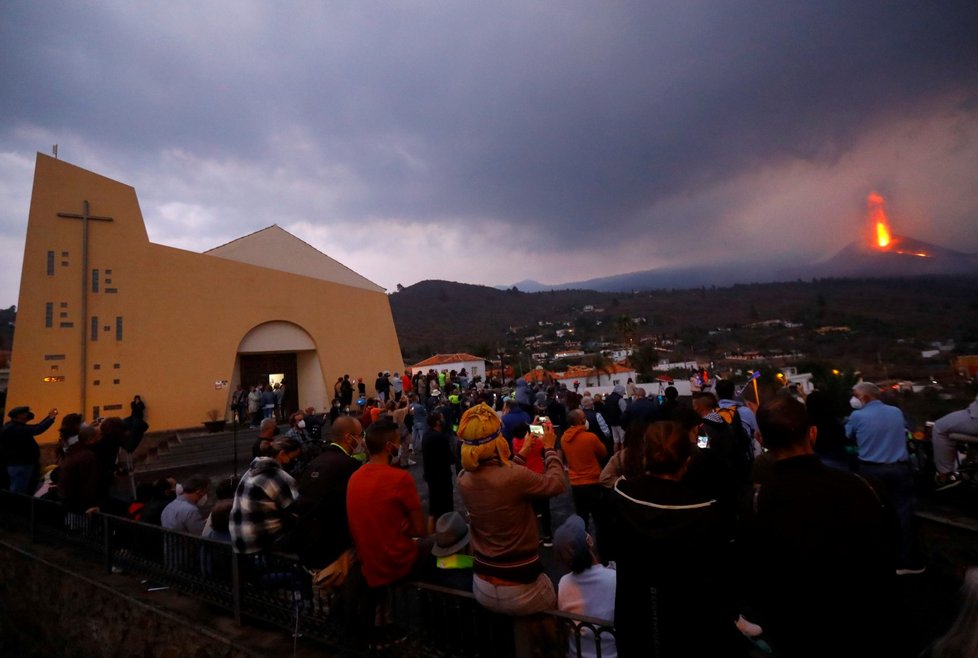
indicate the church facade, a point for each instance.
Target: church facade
{"x":104,"y":314}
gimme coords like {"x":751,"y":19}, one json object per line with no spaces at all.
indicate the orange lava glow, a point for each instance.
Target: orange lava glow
{"x":878,"y":218}
{"x":881,"y":237}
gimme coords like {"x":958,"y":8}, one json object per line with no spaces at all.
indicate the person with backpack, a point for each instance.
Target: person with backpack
{"x":613,"y":408}
{"x":726,"y":394}
{"x":598,"y":426}
{"x":720,"y":465}
{"x":729,"y":409}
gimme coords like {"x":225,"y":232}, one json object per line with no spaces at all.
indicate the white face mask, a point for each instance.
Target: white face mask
{"x":587,"y":424}
{"x":203,"y":501}
{"x":855,"y":402}
{"x":301,"y":424}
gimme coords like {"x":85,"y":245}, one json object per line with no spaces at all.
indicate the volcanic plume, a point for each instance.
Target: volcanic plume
{"x":882,"y":237}
{"x":883,"y":253}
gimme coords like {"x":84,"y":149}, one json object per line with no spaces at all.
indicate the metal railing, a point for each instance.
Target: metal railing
{"x":275,"y":589}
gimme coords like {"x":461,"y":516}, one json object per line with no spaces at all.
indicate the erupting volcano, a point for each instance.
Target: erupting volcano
{"x":882,"y":238}
{"x":883,"y":253}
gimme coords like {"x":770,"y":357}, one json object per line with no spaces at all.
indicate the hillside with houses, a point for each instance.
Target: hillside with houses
{"x":914,"y":329}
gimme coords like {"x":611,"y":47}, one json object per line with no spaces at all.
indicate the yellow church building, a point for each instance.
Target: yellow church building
{"x":104,"y":314}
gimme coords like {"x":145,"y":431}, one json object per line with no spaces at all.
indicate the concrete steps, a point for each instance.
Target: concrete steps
{"x":193,"y":449}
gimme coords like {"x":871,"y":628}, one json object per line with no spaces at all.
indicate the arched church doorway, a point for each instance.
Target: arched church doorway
{"x":283,"y":352}
{"x":271,"y":369}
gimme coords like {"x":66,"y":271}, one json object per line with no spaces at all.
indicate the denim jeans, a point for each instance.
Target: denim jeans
{"x":20,"y":477}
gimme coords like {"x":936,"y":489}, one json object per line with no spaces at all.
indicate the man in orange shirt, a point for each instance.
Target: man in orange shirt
{"x":582,"y":451}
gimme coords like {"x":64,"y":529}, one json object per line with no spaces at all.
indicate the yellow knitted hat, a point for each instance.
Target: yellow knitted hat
{"x":481,"y":438}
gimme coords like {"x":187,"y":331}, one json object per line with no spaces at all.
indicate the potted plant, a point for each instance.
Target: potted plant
{"x":215,"y":424}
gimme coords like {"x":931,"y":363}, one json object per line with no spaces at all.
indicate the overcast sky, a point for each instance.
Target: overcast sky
{"x":490,"y":142}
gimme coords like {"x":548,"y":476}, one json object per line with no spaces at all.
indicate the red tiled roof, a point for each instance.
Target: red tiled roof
{"x":442,"y":359}
{"x":575,"y":372}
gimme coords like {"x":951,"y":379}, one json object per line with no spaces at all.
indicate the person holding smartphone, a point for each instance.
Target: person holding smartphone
{"x":499,"y":492}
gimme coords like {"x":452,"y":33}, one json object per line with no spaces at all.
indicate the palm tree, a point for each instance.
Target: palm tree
{"x":601,"y":364}
{"x":626,"y":328}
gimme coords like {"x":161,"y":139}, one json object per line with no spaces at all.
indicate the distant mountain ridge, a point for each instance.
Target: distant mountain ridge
{"x":855,"y":260}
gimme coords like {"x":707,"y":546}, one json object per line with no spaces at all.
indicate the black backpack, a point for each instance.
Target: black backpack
{"x":743,"y":450}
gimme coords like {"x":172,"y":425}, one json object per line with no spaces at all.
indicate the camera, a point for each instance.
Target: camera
{"x":536,"y":430}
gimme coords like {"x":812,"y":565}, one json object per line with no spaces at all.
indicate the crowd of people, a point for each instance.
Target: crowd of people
{"x":718,"y":525}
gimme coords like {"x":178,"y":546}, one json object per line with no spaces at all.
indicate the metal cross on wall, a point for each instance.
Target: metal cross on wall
{"x":85,"y":217}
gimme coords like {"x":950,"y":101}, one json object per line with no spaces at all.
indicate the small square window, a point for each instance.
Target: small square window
{"x":116,"y":366}
{"x":115,"y":381}
{"x":97,"y":366}
{"x":97,"y":382}
{"x":64,"y":304}
{"x":64,"y":254}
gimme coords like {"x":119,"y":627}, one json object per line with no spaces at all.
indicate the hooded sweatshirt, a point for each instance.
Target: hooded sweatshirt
{"x":681,"y":598}
{"x":583,"y":451}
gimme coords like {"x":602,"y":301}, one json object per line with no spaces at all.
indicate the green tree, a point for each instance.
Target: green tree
{"x":644,"y":359}
{"x":601,"y":365}
{"x":625,"y":327}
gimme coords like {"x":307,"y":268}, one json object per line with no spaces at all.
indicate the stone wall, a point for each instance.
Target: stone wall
{"x":49,"y":609}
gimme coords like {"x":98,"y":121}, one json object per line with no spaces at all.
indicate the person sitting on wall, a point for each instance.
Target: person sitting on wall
{"x":499,"y":494}
{"x":964,"y":421}
{"x":589,"y":589}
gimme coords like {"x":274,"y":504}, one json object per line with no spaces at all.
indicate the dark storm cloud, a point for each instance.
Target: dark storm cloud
{"x":553,"y":118}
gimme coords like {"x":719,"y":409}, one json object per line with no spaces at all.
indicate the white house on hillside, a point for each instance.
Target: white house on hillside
{"x":475,"y":366}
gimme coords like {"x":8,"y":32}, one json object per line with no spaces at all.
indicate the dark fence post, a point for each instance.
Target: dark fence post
{"x":33,"y":521}
{"x":106,"y":543}
{"x":236,"y":585}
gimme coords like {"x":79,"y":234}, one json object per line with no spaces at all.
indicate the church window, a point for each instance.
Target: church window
{"x":94,"y":327}
{"x":50,"y":263}
{"x":94,"y":280}
{"x":49,"y":315}
{"x":118,"y":327}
